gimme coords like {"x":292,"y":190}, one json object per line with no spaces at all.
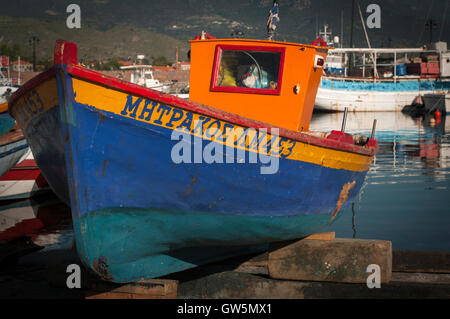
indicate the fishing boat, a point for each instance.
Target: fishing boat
{"x":380,"y":79}
{"x":389,"y":85}
{"x":24,"y":180}
{"x":13,"y":146}
{"x":158,"y":184}
{"x":142,"y":74}
{"x":7,"y":88}
{"x":7,"y":85}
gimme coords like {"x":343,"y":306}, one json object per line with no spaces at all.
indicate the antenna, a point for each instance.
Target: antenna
{"x":272,"y":21}
{"x":443,"y":20}
{"x":431,"y":24}
{"x":326,"y":34}
{"x":33,"y":41}
{"x":317,"y":26}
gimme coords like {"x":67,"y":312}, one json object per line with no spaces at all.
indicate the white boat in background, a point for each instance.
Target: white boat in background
{"x":361,"y":122}
{"x":381,"y":86}
{"x":142,"y":74}
{"x":6,"y":88}
{"x":5,"y":92}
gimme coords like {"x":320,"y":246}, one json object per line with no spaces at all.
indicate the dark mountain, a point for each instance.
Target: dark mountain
{"x":125,"y":28}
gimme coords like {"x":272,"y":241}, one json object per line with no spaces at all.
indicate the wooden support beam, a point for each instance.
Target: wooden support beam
{"x":339,"y":260}
{"x":145,"y":289}
{"x":421,"y":261}
{"x":92,"y":287}
{"x":258,"y":264}
{"x":322,"y":236}
{"x":230,"y":285}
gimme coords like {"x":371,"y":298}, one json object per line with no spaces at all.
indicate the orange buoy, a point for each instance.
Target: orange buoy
{"x":437,"y":116}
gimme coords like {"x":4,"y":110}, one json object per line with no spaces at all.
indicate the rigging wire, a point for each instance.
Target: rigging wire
{"x":426,"y":19}
{"x":443,"y":20}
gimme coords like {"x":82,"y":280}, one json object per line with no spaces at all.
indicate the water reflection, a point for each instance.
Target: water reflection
{"x":405,"y":198}
{"x":46,"y":220}
{"x":406,"y":195}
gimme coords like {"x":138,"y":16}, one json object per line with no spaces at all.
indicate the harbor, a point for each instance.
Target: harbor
{"x":413,"y":154}
{"x":258,"y":164}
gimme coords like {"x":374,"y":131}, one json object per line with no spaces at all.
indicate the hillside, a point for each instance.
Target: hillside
{"x":126,"y":28}
{"x":121,"y":40}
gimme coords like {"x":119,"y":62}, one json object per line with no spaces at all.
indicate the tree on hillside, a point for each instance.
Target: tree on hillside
{"x":161,"y":61}
{"x":13,"y":52}
{"x":111,"y":64}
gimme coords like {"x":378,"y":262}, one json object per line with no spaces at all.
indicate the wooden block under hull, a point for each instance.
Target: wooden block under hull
{"x":339,"y":260}
{"x":421,"y":261}
{"x":230,"y":285}
{"x":322,"y":236}
{"x":146,"y":289}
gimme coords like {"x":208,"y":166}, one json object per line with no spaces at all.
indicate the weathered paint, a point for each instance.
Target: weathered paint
{"x":136,"y":213}
{"x":339,"y":260}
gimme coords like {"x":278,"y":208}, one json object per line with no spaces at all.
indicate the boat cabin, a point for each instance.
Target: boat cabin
{"x":268,"y":81}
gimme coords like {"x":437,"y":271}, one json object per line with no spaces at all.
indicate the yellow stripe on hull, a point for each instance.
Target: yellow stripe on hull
{"x":114,"y":101}
{"x":45,"y":96}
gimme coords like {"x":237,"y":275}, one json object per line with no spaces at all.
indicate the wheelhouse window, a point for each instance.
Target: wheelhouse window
{"x":248,"y":69}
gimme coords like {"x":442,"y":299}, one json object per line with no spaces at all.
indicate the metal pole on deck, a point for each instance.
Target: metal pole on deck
{"x":344,"y":120}
{"x":364,"y":65}
{"x":18,"y":80}
{"x":351,"y":25}
{"x":342,"y":28}
{"x":374,"y":125}
{"x":351,"y":33}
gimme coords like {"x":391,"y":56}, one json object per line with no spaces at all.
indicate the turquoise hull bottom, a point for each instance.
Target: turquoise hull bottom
{"x":130,"y":244}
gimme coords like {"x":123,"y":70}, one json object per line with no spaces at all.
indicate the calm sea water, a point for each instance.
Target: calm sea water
{"x":405,"y":199}
{"x":406,"y":196}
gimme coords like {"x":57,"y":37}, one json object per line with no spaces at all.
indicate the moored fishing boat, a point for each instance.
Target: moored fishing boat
{"x":24,"y":180}
{"x":158,"y":184}
{"x":382,"y":79}
{"x":13,"y":146}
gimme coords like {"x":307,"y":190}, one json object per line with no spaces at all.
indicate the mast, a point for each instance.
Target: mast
{"x":351,"y":26}
{"x":325,"y":34}
{"x":272,"y":21}
{"x":351,"y":35}
{"x":317,"y":26}
{"x":342,"y":28}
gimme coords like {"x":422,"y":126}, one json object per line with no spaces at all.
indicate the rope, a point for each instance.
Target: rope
{"x":367,"y":39}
